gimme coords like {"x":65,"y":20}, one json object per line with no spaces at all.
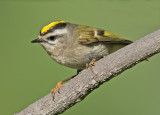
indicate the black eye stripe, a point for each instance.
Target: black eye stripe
{"x":51,"y":38}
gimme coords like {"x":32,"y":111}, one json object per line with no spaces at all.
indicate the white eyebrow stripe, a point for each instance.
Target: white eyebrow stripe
{"x":56,"y":32}
{"x":59,"y":31}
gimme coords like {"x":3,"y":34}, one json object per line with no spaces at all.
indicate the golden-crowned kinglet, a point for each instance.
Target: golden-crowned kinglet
{"x":74,"y":45}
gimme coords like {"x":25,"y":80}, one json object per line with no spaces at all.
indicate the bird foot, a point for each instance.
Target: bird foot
{"x":54,"y":90}
{"x":59,"y":85}
{"x":91,"y":64}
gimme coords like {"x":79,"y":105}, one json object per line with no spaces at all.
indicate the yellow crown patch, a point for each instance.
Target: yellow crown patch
{"x":49,"y":26}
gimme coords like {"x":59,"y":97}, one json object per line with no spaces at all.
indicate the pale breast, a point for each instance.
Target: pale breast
{"x":80,"y":56}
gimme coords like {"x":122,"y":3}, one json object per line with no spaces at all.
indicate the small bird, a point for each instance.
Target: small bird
{"x":77,"y":46}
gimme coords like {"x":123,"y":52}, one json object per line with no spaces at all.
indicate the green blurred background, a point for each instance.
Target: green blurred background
{"x":27,"y":73}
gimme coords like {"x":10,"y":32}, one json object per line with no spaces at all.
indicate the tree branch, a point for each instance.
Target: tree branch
{"x":84,"y":83}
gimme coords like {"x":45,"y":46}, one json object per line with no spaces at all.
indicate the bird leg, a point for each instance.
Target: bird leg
{"x":60,"y":84}
{"x":92,"y":63}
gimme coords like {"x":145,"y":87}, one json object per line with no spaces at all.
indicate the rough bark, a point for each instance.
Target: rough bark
{"x":84,"y":83}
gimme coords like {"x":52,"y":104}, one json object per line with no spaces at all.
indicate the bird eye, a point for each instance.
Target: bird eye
{"x":51,"y":38}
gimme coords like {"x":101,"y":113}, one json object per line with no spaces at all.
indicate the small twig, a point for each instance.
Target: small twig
{"x":105,"y":69}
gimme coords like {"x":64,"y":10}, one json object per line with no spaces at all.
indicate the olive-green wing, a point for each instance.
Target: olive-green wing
{"x":89,"y":35}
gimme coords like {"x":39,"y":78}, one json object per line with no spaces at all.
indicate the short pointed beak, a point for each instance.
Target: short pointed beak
{"x":36,"y":41}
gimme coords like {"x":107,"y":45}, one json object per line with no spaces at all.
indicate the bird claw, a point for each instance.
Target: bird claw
{"x":91,"y":64}
{"x":57,"y":89}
